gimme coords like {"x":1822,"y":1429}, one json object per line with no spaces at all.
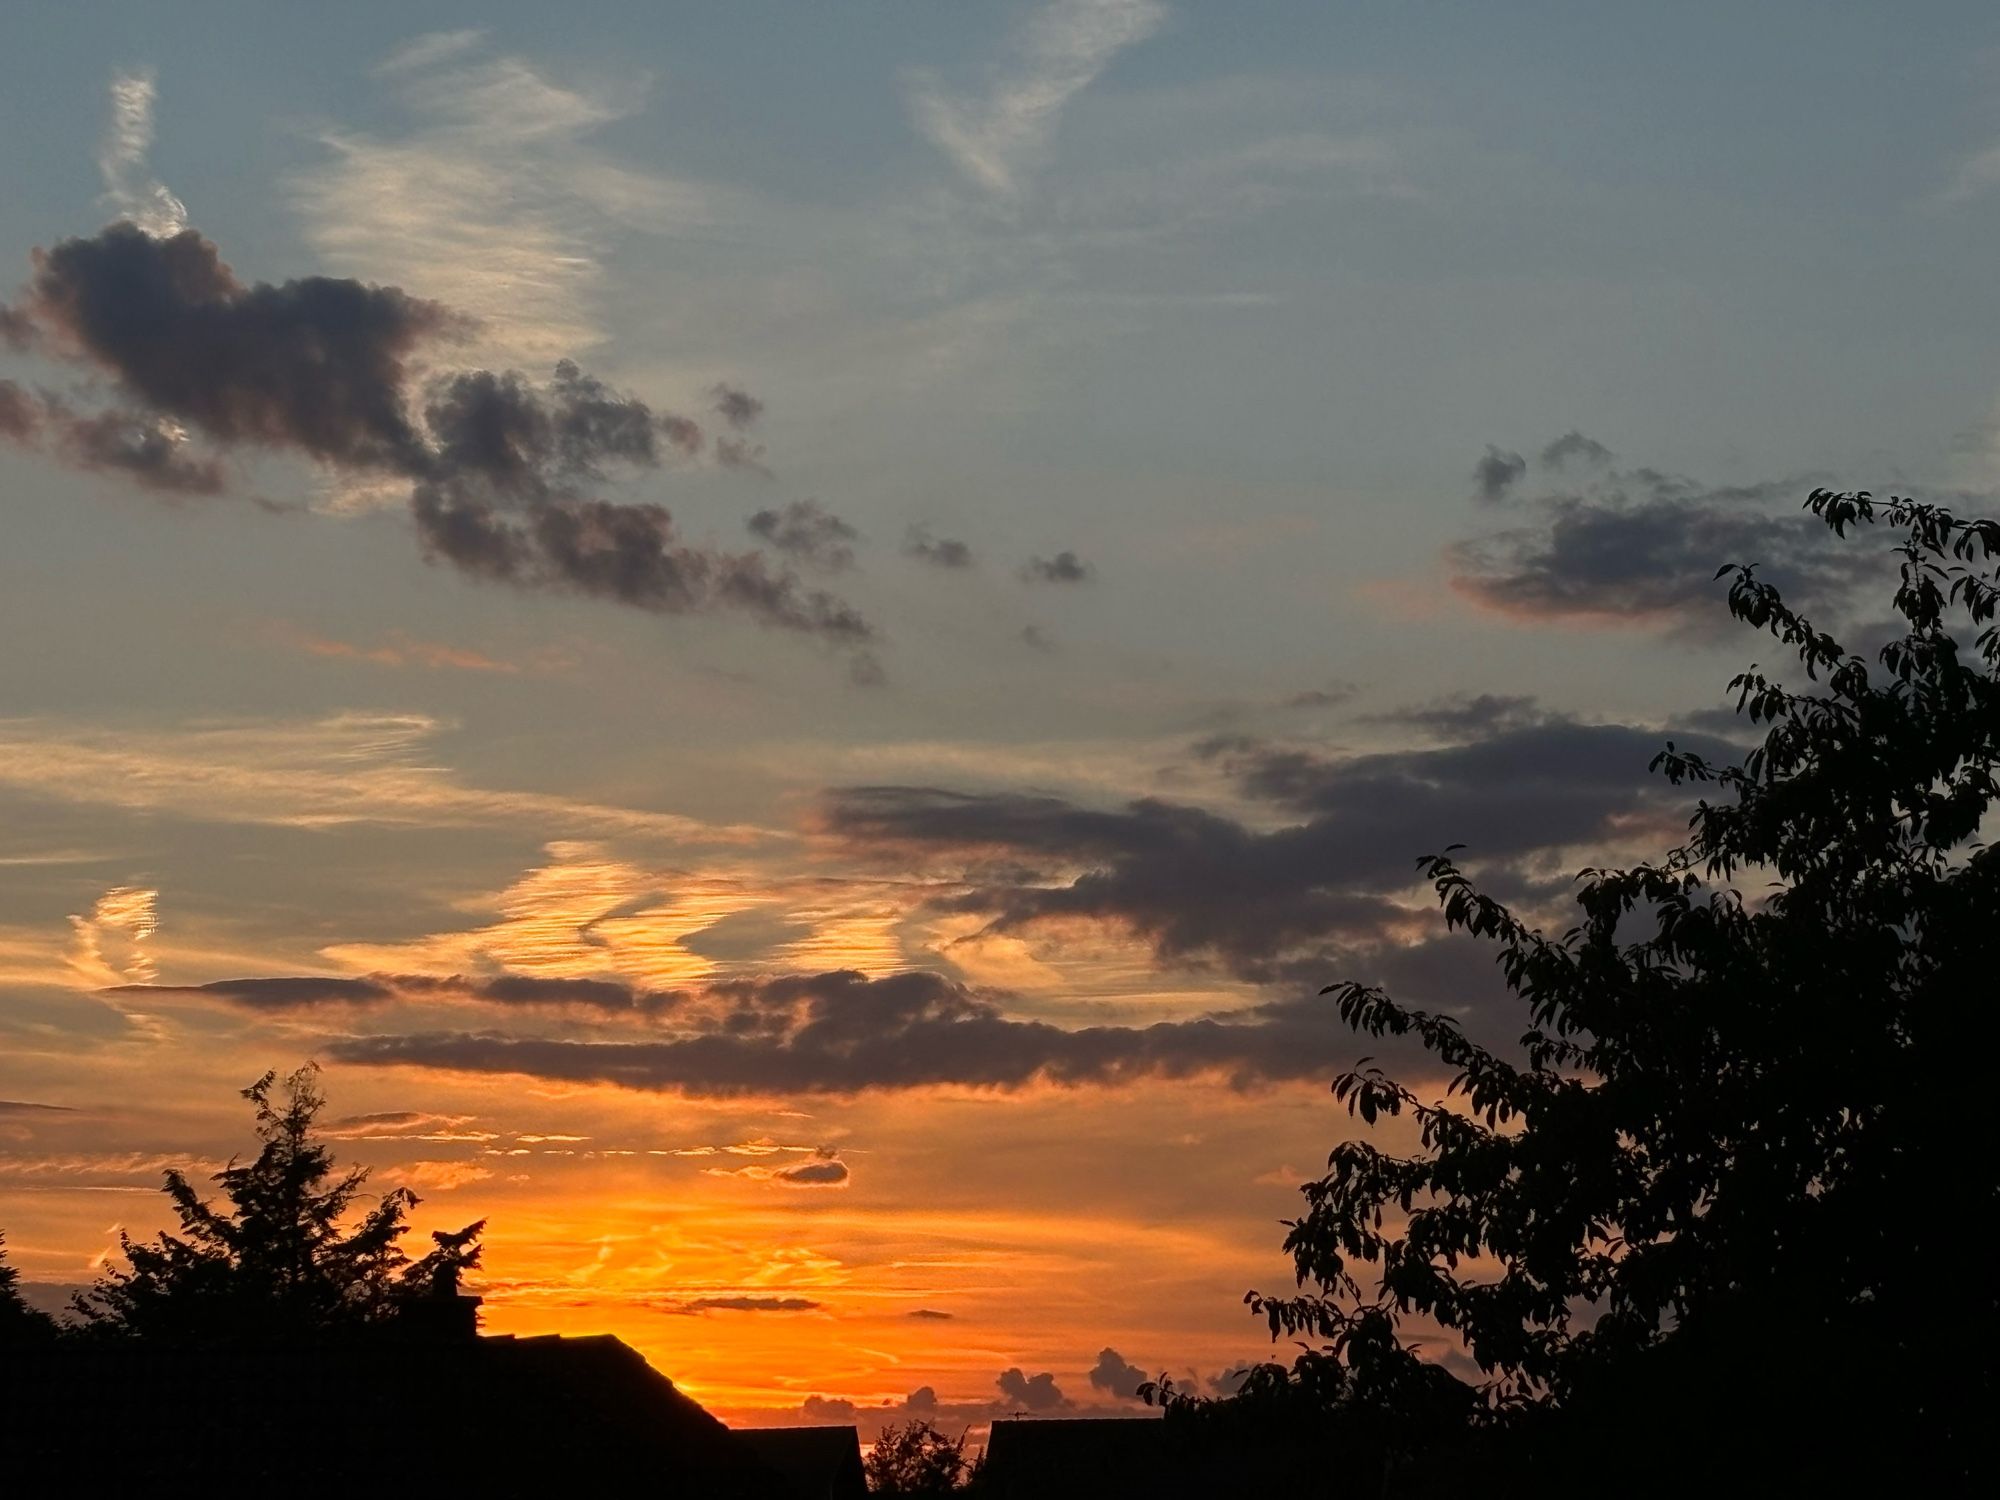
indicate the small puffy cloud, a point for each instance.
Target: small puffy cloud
{"x":741,"y":453}
{"x":809,"y":532}
{"x":1574,"y":447}
{"x":695,"y":1306}
{"x":824,"y":1170}
{"x":832,"y":1412}
{"x":827,"y":1171}
{"x":1035,"y":1393}
{"x":734,"y":405}
{"x":1064,"y":567}
{"x":930,"y":1314}
{"x":939,"y":552}
{"x":1496,"y":473}
{"x":1114,"y":1373}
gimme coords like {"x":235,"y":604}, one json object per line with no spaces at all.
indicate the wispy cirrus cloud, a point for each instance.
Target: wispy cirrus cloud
{"x":110,"y":943}
{"x":313,"y":773}
{"x":398,"y":648}
{"x":995,"y":135}
{"x":493,"y":200}
{"x":129,"y":186}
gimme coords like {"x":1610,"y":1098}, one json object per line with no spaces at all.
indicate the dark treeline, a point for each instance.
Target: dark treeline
{"x":1711,"y":1224}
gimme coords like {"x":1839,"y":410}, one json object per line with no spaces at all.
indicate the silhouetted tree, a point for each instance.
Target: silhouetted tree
{"x":20,"y":1324}
{"x":916,"y":1459}
{"x":1729,"y":1187}
{"x":292,"y":1254}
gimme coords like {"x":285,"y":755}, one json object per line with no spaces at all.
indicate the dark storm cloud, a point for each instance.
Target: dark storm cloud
{"x":1031,"y":1392}
{"x":1064,"y":567}
{"x":806,"y":530}
{"x":499,"y":465}
{"x":1115,"y":1374}
{"x":1496,"y":473}
{"x":940,"y":552}
{"x":1644,"y":547}
{"x":1573,"y":446}
{"x":737,"y":407}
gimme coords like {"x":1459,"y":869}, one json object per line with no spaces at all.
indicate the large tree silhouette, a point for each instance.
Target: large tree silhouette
{"x":294,"y":1253}
{"x":1729,"y":1186}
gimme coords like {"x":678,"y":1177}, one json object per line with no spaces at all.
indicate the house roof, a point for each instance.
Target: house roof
{"x":821,"y":1463}
{"x":1055,"y":1457}
{"x":546,"y":1415}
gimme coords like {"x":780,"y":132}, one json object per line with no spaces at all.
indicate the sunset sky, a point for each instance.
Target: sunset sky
{"x":791,"y":637}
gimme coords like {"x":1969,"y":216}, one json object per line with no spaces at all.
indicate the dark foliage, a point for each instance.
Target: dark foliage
{"x":1718,"y":1216}
{"x":914,"y":1458}
{"x":289,"y":1256}
{"x":20,"y":1324}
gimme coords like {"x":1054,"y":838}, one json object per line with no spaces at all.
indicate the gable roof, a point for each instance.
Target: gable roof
{"x":534,"y":1415}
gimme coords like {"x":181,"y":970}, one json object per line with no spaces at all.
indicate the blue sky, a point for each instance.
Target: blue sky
{"x":1271,"y":318}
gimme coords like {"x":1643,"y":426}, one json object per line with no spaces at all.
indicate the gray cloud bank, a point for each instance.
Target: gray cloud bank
{"x":1639,"y":546}
{"x":1316,"y":888}
{"x":1311,"y":896}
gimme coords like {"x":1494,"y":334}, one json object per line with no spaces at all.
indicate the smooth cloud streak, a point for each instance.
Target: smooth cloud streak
{"x":129,"y":187}
{"x":994,"y":138}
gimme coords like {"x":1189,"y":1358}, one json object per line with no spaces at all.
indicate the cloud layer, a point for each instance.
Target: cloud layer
{"x":1638,"y":546}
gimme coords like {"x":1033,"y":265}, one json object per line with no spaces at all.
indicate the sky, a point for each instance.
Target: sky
{"x":791,"y":638}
